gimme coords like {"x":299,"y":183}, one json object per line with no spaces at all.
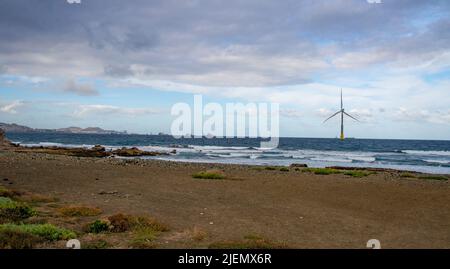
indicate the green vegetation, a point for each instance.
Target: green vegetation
{"x":357,"y":173}
{"x":406,"y":174}
{"x":5,"y":192}
{"x":329,"y":171}
{"x":13,"y":239}
{"x":45,"y":231}
{"x":322,"y":171}
{"x":271,"y":168}
{"x":434,"y":177}
{"x":143,"y":238}
{"x":80,"y":211}
{"x":96,"y":244}
{"x":208,"y":175}
{"x":98,"y":226}
{"x":284,"y":169}
{"x":11,"y":211}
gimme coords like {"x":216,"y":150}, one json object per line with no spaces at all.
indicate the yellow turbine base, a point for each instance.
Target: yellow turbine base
{"x":342,"y":136}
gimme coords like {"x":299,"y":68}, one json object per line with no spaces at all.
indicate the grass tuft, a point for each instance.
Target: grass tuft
{"x":209,"y":175}
{"x":270,"y":168}
{"x":357,"y":173}
{"x":408,"y":175}
{"x":45,"y":231}
{"x":434,"y":177}
{"x":98,"y":226}
{"x":12,"y":211}
{"x":144,"y":238}
{"x":284,"y":169}
{"x":330,"y":171}
{"x":15,"y":239}
{"x":322,"y":171}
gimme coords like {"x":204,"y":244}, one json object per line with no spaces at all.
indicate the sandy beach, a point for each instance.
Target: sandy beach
{"x":276,"y":207}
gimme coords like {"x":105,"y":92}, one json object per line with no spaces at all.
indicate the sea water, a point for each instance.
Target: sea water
{"x":416,"y":155}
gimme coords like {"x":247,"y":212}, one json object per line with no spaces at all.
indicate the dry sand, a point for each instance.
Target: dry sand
{"x":298,"y":209}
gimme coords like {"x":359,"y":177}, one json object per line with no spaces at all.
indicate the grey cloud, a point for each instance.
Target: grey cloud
{"x":215,"y":43}
{"x":80,"y":89}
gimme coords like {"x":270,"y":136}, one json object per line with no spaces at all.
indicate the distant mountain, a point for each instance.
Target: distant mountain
{"x":15,"y":128}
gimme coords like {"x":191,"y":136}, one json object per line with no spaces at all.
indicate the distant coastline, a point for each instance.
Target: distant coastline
{"x":16,"y":128}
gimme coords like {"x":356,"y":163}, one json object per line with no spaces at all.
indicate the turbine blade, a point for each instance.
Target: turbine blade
{"x":350,"y":116}
{"x":332,"y":116}
{"x":342,"y":103}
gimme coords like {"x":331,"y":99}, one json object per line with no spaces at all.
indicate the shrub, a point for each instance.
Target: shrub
{"x":322,"y":171}
{"x":271,"y":168}
{"x":143,"y":238}
{"x":15,"y":239}
{"x":120,"y":223}
{"x":80,"y":211}
{"x":434,"y":177}
{"x":98,"y":226}
{"x":357,"y":173}
{"x":208,"y":175}
{"x":45,"y":231}
{"x":14,"y":211}
{"x":96,"y":244}
{"x":284,"y":169}
{"x":407,"y":175}
{"x":147,"y":222}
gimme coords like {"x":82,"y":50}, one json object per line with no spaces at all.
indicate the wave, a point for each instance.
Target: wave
{"x":427,"y":152}
{"x":438,"y":161}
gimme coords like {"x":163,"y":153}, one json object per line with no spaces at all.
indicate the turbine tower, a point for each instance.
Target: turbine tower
{"x":342,"y":112}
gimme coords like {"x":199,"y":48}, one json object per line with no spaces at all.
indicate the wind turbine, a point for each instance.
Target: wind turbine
{"x":342,"y":112}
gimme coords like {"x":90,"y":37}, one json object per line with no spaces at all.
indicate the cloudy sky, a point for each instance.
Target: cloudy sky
{"x":122,"y":64}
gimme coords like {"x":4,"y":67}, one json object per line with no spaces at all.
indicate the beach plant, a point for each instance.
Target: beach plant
{"x":143,"y":238}
{"x":208,"y":175}
{"x":406,"y":174}
{"x":98,"y":226}
{"x":96,"y":244}
{"x":322,"y":171}
{"x":120,"y":222}
{"x":270,"y":168}
{"x":11,"y":210}
{"x":80,"y":211}
{"x":15,"y":239}
{"x":357,"y":173}
{"x":434,"y":177}
{"x":5,"y":192}
{"x":284,"y":169}
{"x":330,"y":171}
{"x":45,"y":231}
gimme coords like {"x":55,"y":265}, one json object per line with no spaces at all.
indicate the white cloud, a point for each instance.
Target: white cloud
{"x":422,"y":115}
{"x":12,"y":107}
{"x":90,"y":110}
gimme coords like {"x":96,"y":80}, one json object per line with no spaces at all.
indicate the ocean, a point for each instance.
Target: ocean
{"x":415,"y":155}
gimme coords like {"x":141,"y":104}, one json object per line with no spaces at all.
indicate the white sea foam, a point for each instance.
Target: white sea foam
{"x":427,"y":152}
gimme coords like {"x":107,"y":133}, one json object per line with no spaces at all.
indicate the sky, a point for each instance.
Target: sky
{"x":122,"y":65}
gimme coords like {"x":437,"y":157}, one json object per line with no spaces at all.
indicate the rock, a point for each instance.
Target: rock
{"x":298,"y":165}
{"x":134,"y":152}
{"x":3,"y":141}
{"x":98,"y":148}
{"x":108,"y":193}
